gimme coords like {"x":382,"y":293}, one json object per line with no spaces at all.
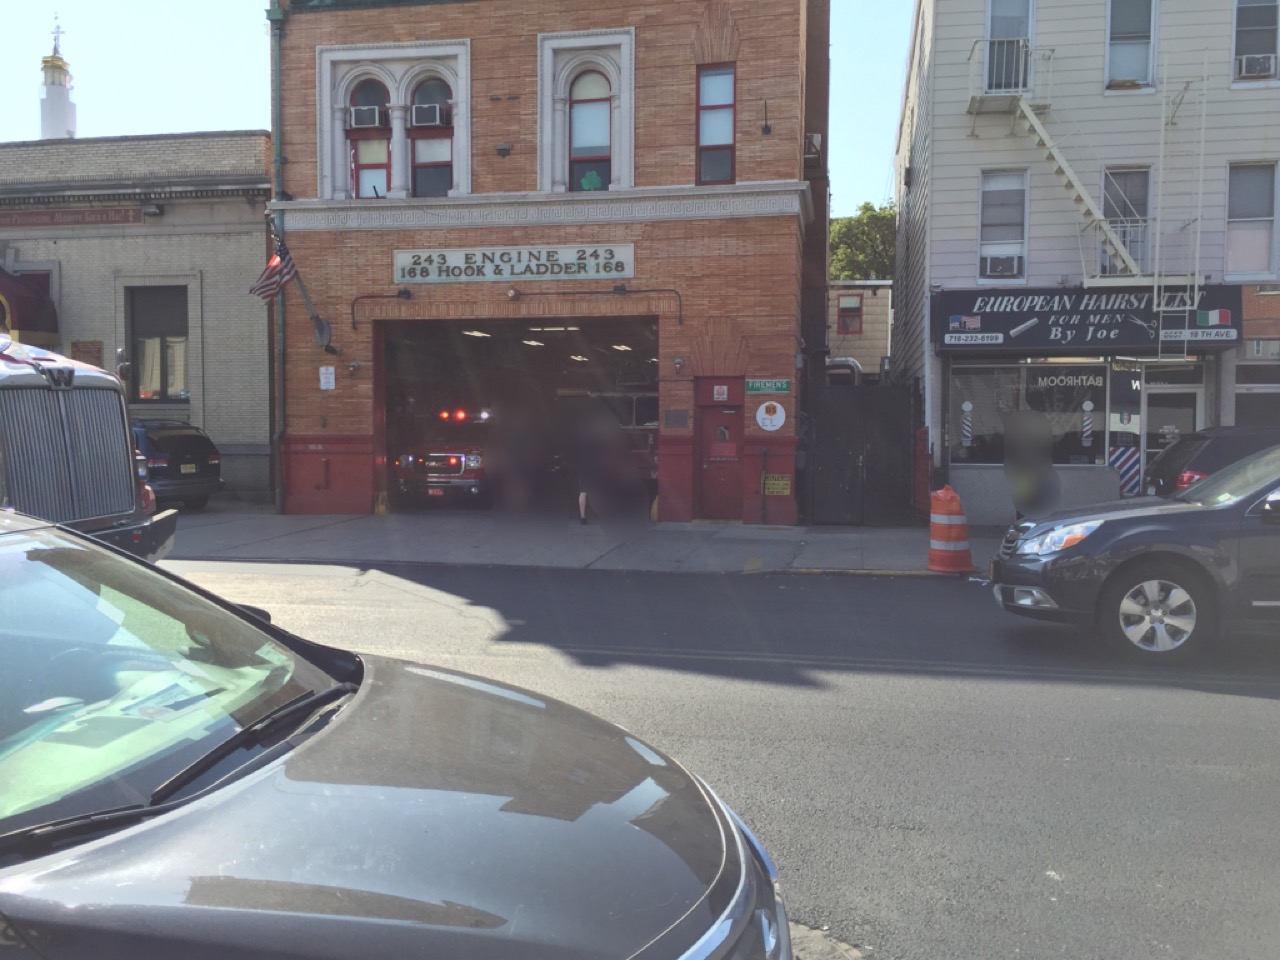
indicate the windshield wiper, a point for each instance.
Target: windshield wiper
{"x":300,"y":706}
{"x":43,"y":834}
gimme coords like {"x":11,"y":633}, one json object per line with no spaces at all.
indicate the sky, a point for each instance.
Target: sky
{"x":142,"y":67}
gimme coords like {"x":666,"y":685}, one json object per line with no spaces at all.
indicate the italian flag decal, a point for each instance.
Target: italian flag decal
{"x":1213,"y":318}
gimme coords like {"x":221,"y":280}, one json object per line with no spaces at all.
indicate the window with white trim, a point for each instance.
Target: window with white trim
{"x":369,"y":133}
{"x":420,"y":146}
{"x":1251,"y":219}
{"x":586,"y":111}
{"x":1126,"y":202}
{"x":431,"y":138}
{"x":590,"y":132}
{"x":1003,"y":232}
{"x":1129,"y":38}
{"x":1257,"y":39}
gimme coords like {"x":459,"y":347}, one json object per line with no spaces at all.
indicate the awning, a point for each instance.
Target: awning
{"x":26,"y":312}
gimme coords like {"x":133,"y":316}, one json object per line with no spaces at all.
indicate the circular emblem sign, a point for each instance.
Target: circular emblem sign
{"x":771,"y":416}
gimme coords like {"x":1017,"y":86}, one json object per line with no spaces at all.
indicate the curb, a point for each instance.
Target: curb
{"x":810,"y":944}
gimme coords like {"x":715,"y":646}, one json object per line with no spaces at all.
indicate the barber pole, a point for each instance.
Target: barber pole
{"x":966,"y":424}
{"x":1086,"y":426}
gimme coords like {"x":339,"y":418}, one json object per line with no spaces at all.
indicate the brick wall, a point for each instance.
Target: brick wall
{"x":504,"y":69}
{"x":1261,"y":315}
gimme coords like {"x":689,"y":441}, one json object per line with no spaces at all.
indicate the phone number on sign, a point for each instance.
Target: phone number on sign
{"x":968,"y":338}
{"x":514,"y":263}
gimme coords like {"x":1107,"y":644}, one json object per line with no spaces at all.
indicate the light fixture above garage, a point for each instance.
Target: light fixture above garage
{"x":475,"y":333}
{"x":579,"y":359}
{"x":533,"y":343}
{"x":554,"y":329}
{"x":622,"y":347}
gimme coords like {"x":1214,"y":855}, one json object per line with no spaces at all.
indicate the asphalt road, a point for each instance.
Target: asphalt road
{"x":935,"y":778}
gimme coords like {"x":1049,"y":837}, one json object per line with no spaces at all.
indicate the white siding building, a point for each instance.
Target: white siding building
{"x":1085,"y":187}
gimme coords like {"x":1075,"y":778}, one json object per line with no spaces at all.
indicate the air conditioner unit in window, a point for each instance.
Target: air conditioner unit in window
{"x":1256,"y":66}
{"x":361,"y":117}
{"x":1001,"y":267}
{"x":429,"y":115}
{"x":813,"y":147}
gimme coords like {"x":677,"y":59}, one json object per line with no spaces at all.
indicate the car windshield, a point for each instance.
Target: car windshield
{"x":113,"y":678}
{"x":1236,"y":481}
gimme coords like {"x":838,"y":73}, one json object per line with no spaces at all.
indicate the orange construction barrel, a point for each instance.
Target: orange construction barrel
{"x":949,"y":550}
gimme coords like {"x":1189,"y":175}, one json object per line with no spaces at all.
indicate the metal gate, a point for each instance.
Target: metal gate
{"x":860,"y":455}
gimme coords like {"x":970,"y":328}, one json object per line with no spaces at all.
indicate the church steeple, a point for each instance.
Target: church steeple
{"x":57,"y":112}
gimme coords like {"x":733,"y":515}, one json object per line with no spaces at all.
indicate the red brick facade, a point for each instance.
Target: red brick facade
{"x":735,"y":255}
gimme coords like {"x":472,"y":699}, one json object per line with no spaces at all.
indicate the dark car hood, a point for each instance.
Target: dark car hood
{"x":437,"y":811}
{"x":1139,"y":507}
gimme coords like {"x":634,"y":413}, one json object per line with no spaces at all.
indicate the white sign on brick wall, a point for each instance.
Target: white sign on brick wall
{"x":328,"y":378}
{"x":506,"y":264}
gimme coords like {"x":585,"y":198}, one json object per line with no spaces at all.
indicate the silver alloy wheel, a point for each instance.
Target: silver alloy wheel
{"x":1157,"y":616}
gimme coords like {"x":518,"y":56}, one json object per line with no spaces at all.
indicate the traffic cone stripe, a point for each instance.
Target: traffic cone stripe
{"x":948,"y":534}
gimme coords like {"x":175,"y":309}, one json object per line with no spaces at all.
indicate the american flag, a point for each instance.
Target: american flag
{"x":966,"y":323}
{"x":279,"y":271}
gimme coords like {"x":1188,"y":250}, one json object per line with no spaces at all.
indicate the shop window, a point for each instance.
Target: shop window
{"x":369,"y":136}
{"x":1129,"y":43}
{"x":1126,"y":194}
{"x":1258,"y":390}
{"x":849,"y":314}
{"x":431,"y":138}
{"x":1256,"y":39}
{"x":157,"y":318}
{"x":1066,"y":401}
{"x":716,"y":121}
{"x":1251,"y":218}
{"x":590,"y":132}
{"x":1003,"y":245}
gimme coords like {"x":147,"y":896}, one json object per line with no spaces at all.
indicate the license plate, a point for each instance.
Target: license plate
{"x":435,"y":492}
{"x":188,"y":468}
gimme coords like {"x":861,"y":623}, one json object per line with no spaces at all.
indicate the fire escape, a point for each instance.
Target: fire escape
{"x":1120,"y":244}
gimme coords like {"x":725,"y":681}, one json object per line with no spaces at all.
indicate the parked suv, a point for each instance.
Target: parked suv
{"x":1194,"y":456}
{"x":66,"y":453}
{"x":182,"y":462}
{"x":1159,"y":578}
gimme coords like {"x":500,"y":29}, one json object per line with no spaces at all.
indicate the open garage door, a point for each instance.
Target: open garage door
{"x":497,"y":412}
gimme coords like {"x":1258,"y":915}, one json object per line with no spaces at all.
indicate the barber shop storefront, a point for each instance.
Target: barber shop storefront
{"x":1108,"y":377}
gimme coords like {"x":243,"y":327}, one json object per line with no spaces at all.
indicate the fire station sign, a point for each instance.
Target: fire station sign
{"x":508,"y":264}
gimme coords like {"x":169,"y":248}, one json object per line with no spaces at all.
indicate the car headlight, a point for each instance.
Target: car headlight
{"x":406,"y":460}
{"x":1057,"y":539}
{"x":474,"y":461}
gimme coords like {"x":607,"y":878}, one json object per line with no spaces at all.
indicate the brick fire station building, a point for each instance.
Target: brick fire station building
{"x":598,"y":196}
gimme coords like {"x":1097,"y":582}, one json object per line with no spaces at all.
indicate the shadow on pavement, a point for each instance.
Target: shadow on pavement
{"x":789,"y":629}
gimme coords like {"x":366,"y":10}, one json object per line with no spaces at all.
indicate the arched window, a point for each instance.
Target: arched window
{"x":369,"y":134}
{"x":590,"y":131}
{"x":431,"y":136}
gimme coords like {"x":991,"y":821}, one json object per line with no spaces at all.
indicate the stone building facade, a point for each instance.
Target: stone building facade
{"x":149,"y":245}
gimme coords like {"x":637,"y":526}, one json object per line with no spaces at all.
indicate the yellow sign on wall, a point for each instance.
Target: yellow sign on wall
{"x":777,"y":485}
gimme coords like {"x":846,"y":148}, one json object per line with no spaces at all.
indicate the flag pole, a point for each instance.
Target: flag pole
{"x":320,"y":327}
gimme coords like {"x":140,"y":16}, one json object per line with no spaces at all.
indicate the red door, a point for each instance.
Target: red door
{"x":720,"y":450}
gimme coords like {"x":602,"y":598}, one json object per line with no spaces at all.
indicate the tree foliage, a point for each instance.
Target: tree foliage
{"x":862,"y":246}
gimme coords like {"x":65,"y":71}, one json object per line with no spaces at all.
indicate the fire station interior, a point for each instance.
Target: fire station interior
{"x":504,"y":414}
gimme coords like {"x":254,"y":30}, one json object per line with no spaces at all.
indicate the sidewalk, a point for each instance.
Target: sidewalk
{"x":230,"y":530}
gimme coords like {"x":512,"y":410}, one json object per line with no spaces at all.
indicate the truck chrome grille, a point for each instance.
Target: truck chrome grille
{"x":88,"y":476}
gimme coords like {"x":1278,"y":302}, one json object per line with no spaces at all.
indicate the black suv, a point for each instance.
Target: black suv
{"x":1195,"y":456}
{"x":182,"y":462}
{"x":1159,"y":578}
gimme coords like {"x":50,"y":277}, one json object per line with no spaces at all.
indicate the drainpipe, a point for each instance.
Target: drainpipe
{"x":276,"y":15}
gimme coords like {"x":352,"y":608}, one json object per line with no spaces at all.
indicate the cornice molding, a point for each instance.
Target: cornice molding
{"x":648,"y":204}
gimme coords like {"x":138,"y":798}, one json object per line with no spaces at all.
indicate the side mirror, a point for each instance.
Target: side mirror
{"x":123,"y":367}
{"x":255,"y":612}
{"x":1271,"y":507}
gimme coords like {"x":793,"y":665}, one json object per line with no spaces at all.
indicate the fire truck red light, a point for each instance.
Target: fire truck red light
{"x":444,"y":414}
{"x":460,"y":415}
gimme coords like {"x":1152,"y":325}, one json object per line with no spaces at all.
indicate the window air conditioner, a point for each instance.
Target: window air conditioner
{"x":1001,"y":267}
{"x":813,"y":147}
{"x":1256,"y":66}
{"x":361,"y":117}
{"x":429,"y":115}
